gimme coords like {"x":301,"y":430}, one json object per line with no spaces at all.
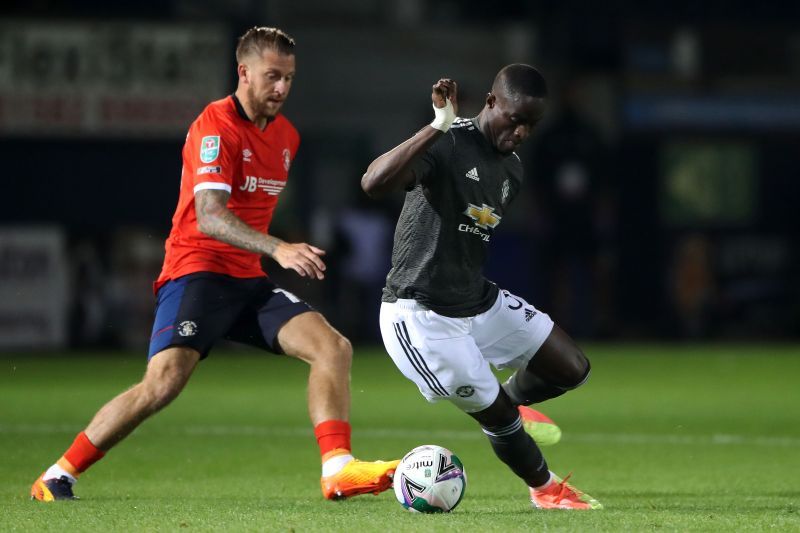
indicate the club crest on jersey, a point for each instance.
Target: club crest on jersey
{"x":483,"y":216}
{"x":505,"y":191}
{"x":209,"y":148}
{"x":287,"y":159}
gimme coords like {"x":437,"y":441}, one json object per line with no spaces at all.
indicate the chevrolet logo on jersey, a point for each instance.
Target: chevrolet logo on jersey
{"x":483,"y":216}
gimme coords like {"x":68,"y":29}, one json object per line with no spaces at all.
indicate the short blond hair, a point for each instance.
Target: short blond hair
{"x":259,"y":38}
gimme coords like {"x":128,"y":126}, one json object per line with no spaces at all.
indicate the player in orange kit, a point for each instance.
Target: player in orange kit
{"x":235,"y":163}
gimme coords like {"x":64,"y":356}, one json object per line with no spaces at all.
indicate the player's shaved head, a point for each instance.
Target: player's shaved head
{"x":514,"y":107}
{"x":260,"y":38}
{"x":519,"y":79}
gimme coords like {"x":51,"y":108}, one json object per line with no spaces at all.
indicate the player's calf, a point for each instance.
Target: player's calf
{"x":516,"y":448}
{"x":502,"y":424}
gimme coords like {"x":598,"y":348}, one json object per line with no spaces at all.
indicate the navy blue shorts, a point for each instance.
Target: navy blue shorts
{"x":198,"y":309}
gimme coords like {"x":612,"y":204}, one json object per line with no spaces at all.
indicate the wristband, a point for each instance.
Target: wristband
{"x":443,"y":116}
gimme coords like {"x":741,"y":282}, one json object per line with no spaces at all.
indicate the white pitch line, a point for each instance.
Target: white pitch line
{"x":389,"y":433}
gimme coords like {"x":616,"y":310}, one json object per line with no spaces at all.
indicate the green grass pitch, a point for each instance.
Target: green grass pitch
{"x":667,"y":437}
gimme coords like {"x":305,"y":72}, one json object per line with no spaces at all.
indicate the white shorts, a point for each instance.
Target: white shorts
{"x":449,"y":358}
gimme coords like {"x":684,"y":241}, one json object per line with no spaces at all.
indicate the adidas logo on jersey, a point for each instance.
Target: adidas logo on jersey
{"x":473,"y":174}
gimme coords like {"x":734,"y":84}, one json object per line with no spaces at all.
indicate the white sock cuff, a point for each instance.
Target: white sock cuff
{"x":335,"y":463}
{"x":55,"y":472}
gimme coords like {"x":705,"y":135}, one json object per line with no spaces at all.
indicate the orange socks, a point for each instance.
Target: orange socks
{"x":80,"y":456}
{"x":333,"y":437}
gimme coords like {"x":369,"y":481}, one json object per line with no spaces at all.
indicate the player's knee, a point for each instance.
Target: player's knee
{"x":342,"y":352}
{"x":568,"y":370}
{"x":335,"y":353}
{"x":160,"y":388}
{"x":526,"y":386}
{"x":159,"y":395}
{"x":576,"y":370}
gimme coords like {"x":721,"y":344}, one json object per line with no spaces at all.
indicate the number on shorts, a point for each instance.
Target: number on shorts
{"x":512,"y":307}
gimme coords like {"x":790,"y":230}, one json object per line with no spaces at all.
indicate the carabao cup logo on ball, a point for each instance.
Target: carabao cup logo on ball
{"x":430,"y":479}
{"x":209,"y":148}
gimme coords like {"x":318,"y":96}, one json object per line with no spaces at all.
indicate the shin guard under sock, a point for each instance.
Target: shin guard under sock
{"x":518,"y":450}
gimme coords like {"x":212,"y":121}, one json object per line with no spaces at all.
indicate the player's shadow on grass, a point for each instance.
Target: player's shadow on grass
{"x":264,"y":500}
{"x":525,"y":509}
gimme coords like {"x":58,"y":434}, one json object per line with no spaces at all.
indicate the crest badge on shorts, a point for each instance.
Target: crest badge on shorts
{"x":465,"y":391}
{"x":187,"y":328}
{"x":209,"y":148}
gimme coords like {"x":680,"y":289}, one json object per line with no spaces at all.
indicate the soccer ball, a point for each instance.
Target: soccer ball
{"x":430,"y":479}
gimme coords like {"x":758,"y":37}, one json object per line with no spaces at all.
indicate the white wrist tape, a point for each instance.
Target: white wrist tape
{"x":443,"y":116}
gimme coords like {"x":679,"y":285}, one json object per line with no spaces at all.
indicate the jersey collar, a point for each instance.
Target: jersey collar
{"x":243,"y":114}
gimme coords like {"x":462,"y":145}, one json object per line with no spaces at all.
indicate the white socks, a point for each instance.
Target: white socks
{"x":335,"y":463}
{"x":56,"y":471}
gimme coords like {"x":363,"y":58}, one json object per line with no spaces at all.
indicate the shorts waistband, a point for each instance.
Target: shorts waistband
{"x":409,"y":305}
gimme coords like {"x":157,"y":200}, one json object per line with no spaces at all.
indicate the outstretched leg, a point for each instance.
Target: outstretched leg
{"x":166,"y":375}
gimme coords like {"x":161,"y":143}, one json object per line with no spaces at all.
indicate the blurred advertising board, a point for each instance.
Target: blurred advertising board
{"x":96,"y":78}
{"x":33,"y":288}
{"x":752,"y":112}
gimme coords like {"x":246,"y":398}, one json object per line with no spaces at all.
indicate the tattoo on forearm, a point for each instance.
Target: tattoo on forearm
{"x":218,"y":222}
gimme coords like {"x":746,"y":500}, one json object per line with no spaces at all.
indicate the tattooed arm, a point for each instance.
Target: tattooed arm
{"x":218,"y":222}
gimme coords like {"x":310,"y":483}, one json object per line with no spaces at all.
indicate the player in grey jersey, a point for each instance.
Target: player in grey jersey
{"x":443,"y":323}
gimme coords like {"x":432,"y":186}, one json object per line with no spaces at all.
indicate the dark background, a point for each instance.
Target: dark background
{"x":661,"y":194}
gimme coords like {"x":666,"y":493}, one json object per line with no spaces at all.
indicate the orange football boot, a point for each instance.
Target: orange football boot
{"x":561,"y":495}
{"x":359,"y":477}
{"x":51,"y":490}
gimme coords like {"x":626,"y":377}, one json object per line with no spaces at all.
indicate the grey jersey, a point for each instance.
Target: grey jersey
{"x":461,"y":191}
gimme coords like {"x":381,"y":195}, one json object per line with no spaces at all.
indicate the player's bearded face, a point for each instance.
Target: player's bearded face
{"x":270,"y":82}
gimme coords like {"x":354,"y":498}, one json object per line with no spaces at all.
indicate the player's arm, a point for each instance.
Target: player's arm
{"x":220,"y":223}
{"x":392,"y":170}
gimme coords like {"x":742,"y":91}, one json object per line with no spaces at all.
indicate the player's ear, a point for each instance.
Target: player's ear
{"x":490,"y":100}
{"x":242,"y":71}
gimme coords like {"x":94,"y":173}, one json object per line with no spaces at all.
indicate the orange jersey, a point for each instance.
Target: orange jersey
{"x":224,"y":150}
